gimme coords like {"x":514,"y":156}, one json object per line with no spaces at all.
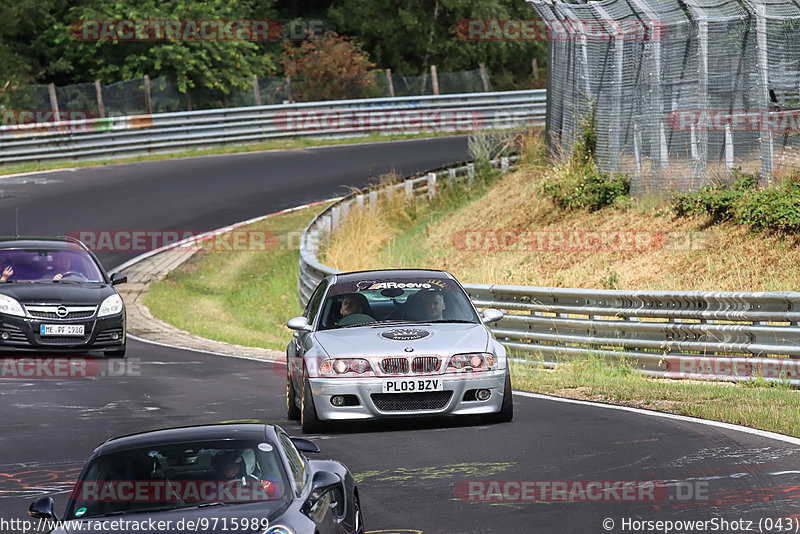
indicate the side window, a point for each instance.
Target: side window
{"x":314,"y":302}
{"x":295,"y":461}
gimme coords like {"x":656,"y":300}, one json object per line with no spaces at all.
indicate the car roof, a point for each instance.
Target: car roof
{"x":395,"y":274}
{"x":235,"y":431}
{"x":50,"y":243}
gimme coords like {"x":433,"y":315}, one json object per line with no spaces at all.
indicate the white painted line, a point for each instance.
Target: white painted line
{"x":179,"y":347}
{"x":664,"y":415}
{"x":31,"y":173}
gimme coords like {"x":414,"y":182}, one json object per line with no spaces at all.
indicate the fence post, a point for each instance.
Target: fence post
{"x":485,"y":78}
{"x":148,"y":105}
{"x":728,"y":150}
{"x":391,"y":83}
{"x":373,"y":200}
{"x":702,"y":77}
{"x":766,"y":137}
{"x":451,"y":176}
{"x":637,"y":161}
{"x":504,"y":164}
{"x":434,"y":80}
{"x":535,"y":68}
{"x":409,"y":185}
{"x":470,"y":172}
{"x":54,"y":101}
{"x":256,"y":91}
{"x":289,"y":88}
{"x":360,"y":201}
{"x":431,"y":184}
{"x":101,"y":109}
{"x":335,"y":218}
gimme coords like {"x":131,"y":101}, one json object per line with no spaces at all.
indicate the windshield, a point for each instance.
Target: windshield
{"x":407,"y":300}
{"x":179,"y":475}
{"x":27,"y":265}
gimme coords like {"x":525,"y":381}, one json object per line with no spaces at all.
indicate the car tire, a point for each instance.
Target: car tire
{"x":358,"y":518}
{"x":308,"y":414}
{"x":506,"y":412}
{"x":115,"y":353}
{"x":292,"y":411}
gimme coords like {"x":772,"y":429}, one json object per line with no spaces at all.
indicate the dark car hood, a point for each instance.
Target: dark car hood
{"x":440,"y":338}
{"x":271,"y":510}
{"x":57,"y":292}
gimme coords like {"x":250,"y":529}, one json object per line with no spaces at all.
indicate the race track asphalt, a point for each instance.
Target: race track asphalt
{"x":413,"y":476}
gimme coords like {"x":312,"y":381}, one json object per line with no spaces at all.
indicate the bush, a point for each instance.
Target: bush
{"x":579,"y":184}
{"x":776,"y":207}
{"x":329,"y":68}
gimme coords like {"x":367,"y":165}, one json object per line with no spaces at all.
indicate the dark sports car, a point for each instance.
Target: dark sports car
{"x":244,"y":478}
{"x":56,"y":297}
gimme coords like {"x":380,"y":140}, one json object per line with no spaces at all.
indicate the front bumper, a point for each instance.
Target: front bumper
{"x":322,"y":389}
{"x":24,"y":335}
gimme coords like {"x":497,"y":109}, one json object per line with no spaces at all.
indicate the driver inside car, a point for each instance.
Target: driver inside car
{"x":354,"y":310}
{"x":432,"y":306}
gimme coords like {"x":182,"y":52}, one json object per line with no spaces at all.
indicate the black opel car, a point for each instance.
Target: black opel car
{"x":214,"y":479}
{"x":56,"y":297}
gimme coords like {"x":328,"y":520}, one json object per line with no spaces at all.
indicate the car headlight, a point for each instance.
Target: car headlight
{"x":342,"y":366}
{"x":111,"y":306}
{"x":473,"y":361}
{"x":10,"y":306}
{"x":278,"y":529}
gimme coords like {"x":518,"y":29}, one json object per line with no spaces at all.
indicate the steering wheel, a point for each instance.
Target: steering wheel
{"x":73,"y":273}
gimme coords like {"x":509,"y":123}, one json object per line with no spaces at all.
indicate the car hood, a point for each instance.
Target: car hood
{"x":423,"y":338}
{"x":221,"y":516}
{"x":57,"y":292}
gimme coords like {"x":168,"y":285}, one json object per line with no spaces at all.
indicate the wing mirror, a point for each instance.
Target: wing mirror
{"x":42,"y":508}
{"x":490,"y":315}
{"x":299,"y":324}
{"x":304,"y":445}
{"x":118,"y":278}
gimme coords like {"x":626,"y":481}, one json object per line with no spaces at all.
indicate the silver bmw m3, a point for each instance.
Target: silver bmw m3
{"x":394,"y":343}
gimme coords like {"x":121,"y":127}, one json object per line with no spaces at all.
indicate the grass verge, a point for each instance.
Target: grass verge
{"x":767,"y":406}
{"x":277,"y":144}
{"x":238,"y":297}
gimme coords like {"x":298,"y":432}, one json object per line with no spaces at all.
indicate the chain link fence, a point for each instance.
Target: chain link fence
{"x":682,"y":91}
{"x":159,"y":95}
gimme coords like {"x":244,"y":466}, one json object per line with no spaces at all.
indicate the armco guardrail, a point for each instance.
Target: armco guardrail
{"x":688,"y":334}
{"x":128,"y":136}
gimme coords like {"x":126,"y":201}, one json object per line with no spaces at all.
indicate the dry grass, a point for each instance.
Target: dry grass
{"x":694,"y":256}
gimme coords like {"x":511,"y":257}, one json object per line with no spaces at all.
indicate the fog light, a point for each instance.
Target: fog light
{"x":483,"y":394}
{"x":337,"y":400}
{"x":5,"y":335}
{"x":115,"y":336}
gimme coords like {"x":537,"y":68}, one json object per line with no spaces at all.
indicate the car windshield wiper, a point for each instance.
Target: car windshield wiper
{"x":206,"y":505}
{"x":398,"y":321}
{"x":453,"y":321}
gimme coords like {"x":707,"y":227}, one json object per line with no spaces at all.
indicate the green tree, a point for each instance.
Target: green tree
{"x":408,"y":36}
{"x":206,"y":67}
